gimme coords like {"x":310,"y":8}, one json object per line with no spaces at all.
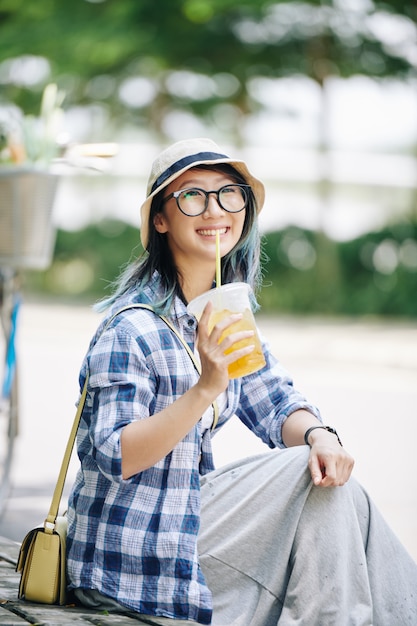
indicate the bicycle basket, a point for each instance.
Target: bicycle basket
{"x":27,"y":235}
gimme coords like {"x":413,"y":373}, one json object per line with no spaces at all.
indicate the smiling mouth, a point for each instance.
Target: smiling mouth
{"x":211,"y":232}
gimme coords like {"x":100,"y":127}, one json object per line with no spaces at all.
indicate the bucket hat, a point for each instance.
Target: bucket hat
{"x":179,"y":158}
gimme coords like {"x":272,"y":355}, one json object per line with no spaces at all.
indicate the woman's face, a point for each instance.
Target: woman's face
{"x":193,"y":239}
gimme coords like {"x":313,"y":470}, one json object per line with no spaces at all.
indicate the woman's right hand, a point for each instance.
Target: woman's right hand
{"x":144,"y":442}
{"x":212,"y":347}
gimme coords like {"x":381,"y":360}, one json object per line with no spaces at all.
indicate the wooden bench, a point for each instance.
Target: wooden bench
{"x":14,"y":612}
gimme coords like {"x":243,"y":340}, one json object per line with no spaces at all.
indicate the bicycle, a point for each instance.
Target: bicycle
{"x":26,"y":241}
{"x":27,"y":237}
{"x":9,"y":410}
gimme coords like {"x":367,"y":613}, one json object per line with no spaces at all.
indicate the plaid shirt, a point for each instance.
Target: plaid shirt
{"x":135,"y":540}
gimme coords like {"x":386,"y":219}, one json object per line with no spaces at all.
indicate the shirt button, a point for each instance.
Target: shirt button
{"x":190,"y":322}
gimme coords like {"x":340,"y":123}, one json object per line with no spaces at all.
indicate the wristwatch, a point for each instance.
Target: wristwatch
{"x":328,"y":428}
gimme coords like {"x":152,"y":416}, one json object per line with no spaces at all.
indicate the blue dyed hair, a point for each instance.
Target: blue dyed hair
{"x":242,"y":263}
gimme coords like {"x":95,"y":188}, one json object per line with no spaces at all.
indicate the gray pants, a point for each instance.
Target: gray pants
{"x":93,"y":599}
{"x":275,"y":550}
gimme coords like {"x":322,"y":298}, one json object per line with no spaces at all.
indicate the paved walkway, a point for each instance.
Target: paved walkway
{"x":363,"y":376}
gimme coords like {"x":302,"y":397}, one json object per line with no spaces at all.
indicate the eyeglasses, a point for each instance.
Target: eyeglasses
{"x":194,"y":201}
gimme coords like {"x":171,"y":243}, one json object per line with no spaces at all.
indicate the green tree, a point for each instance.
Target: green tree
{"x":141,"y":60}
{"x":194,"y":55}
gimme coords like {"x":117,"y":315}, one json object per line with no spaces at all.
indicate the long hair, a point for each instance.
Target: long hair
{"x":242,"y":263}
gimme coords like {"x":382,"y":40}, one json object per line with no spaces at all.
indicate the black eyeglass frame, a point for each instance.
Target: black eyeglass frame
{"x":176,"y":195}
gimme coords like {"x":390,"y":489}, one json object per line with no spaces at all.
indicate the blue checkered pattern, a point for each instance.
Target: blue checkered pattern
{"x":135,"y":540}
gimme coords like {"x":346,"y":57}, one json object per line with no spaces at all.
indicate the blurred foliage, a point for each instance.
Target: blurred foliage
{"x":134,"y":62}
{"x":86,"y":262}
{"x":34,"y":140}
{"x":139,"y":60}
{"x":376,"y":273}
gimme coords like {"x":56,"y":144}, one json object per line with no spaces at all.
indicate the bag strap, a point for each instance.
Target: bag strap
{"x":49,"y":524}
{"x":171,"y":326}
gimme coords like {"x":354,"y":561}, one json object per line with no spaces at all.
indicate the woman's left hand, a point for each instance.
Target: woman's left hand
{"x":330,"y":465}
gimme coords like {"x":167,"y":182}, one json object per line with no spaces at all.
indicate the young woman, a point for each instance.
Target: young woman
{"x":286,"y":537}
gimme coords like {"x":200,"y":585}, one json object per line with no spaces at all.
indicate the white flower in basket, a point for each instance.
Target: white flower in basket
{"x":28,"y":186}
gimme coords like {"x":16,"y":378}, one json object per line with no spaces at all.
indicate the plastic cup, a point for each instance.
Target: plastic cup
{"x":228,"y":299}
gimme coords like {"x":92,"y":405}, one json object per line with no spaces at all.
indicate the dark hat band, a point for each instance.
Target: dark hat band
{"x":182,"y":163}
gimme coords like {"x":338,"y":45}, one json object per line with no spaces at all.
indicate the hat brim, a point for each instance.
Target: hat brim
{"x":240,"y":166}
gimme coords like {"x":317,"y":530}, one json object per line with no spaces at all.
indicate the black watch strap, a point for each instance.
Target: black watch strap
{"x":328,"y":428}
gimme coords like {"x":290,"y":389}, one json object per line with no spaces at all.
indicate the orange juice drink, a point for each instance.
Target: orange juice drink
{"x":253,"y":361}
{"x":228,"y":299}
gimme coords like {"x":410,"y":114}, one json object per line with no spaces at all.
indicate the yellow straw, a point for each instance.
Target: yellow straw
{"x":218,"y":266}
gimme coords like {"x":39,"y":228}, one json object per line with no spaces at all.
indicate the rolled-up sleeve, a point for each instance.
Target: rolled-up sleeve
{"x":122,"y":391}
{"x":268,"y":398}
